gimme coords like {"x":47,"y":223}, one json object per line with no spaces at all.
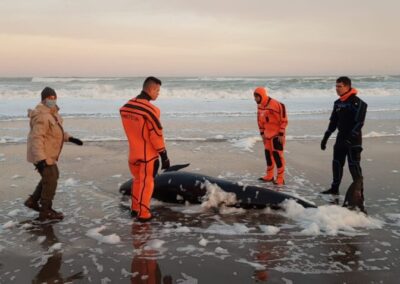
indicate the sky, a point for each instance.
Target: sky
{"x":199,"y":38}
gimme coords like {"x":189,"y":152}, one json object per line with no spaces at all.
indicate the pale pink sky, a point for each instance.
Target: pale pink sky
{"x":189,"y":38}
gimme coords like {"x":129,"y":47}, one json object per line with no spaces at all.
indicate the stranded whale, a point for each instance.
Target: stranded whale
{"x":180,"y":186}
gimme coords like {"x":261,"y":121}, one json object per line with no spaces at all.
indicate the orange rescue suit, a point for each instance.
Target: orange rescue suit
{"x":272,"y":122}
{"x":141,"y":121}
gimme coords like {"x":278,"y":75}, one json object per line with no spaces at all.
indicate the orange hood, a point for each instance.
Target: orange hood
{"x":262,"y":92}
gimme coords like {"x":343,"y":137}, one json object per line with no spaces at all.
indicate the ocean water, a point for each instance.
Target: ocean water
{"x":204,"y":101}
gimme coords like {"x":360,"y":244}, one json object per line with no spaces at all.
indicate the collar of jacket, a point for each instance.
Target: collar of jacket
{"x":265,"y":102}
{"x":41,"y":108}
{"x":347,"y":95}
{"x":144,"y":95}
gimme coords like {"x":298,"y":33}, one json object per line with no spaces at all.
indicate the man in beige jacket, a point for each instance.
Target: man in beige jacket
{"x":45,"y":142}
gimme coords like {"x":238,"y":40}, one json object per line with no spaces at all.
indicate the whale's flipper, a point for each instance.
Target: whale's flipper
{"x":126,"y":187}
{"x":175,"y":168}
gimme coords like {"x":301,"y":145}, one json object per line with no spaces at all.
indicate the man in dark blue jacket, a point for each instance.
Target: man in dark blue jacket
{"x":348,"y":117}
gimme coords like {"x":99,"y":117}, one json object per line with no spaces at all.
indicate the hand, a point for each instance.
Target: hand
{"x":40,"y":166}
{"x":281,"y":139}
{"x":323,"y":144}
{"x":165,"y":164}
{"x":75,"y":141}
{"x":325,"y":140}
{"x":262,"y":137}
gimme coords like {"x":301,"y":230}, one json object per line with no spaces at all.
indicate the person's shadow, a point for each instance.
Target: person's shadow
{"x":50,"y":271}
{"x":144,"y":266}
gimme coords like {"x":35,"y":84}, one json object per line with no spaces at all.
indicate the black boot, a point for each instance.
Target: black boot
{"x":48,"y":213}
{"x":32,"y":203}
{"x":333,"y":190}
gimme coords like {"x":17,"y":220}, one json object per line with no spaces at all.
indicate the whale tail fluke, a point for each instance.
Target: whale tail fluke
{"x":355,"y":196}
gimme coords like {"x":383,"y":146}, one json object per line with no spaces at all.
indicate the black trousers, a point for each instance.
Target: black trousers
{"x":341,"y":150}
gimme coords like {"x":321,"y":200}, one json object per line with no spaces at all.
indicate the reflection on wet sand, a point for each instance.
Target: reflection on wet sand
{"x":50,"y":271}
{"x":262,"y":256}
{"x":144,"y":266}
{"x":349,"y":256}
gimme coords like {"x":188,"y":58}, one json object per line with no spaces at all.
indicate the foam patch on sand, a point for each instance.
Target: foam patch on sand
{"x":14,"y":212}
{"x":55,"y":247}
{"x":269,"y":230}
{"x":203,"y":242}
{"x":255,"y":265}
{"x":224,"y":210}
{"x":215,"y":196}
{"x":329,"y":219}
{"x":9,"y":225}
{"x":70,"y":182}
{"x":155,"y":244}
{"x":187,"y":279}
{"x":395,"y":218}
{"x":110,"y":239}
{"x":245,"y":144}
{"x":235,"y":229}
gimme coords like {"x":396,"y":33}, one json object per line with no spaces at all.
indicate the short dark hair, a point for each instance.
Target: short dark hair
{"x":47,"y":92}
{"x":151,"y":80}
{"x":345,"y":80}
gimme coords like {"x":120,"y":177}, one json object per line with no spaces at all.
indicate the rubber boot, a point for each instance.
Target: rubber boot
{"x":48,"y":213}
{"x":267,"y":178}
{"x":279,"y":181}
{"x":144,"y":215}
{"x":32,"y":203}
{"x":269,"y":175}
{"x":333,"y":190}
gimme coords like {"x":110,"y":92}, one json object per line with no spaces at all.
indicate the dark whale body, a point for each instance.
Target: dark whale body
{"x":178,"y":187}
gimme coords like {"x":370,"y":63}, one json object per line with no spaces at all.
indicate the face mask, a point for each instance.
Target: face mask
{"x":50,"y":103}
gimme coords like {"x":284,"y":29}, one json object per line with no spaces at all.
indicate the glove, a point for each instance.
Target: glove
{"x":324,"y":140}
{"x":281,"y":137}
{"x":75,"y":141}
{"x":262,"y":137}
{"x":40,"y":166}
{"x":164,"y":160}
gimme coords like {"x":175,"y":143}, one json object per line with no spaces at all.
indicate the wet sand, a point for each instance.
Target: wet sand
{"x":188,"y":244}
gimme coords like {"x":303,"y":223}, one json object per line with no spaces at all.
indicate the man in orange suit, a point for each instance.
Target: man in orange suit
{"x":141,"y":121}
{"x":272,"y":122}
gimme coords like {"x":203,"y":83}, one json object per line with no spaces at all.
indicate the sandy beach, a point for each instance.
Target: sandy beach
{"x":99,"y":242}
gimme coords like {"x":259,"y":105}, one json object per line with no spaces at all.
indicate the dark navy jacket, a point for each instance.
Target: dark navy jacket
{"x":348,"y":117}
